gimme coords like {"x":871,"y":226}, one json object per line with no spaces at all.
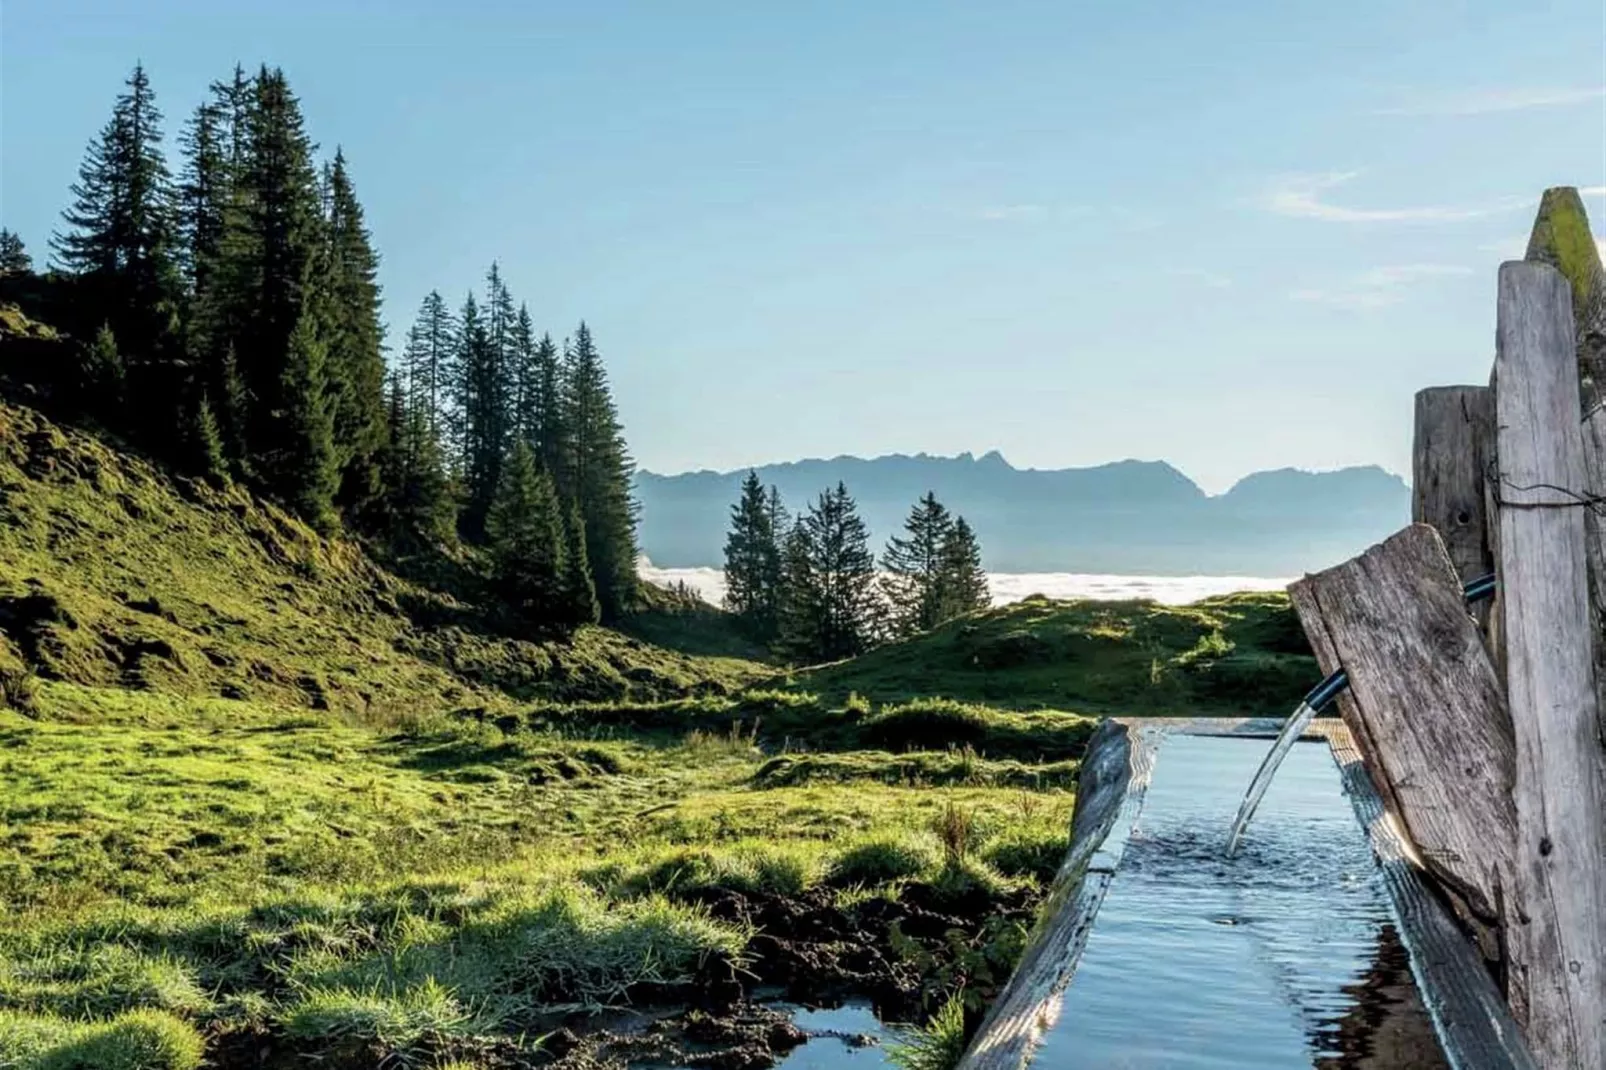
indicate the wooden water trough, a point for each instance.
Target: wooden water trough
{"x":1470,"y":745}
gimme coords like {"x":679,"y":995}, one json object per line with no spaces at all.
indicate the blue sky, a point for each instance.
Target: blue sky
{"x":1232,"y":236}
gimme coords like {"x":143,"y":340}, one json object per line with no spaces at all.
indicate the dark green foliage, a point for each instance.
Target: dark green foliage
{"x":104,"y":374}
{"x":753,"y":561}
{"x":831,"y":608}
{"x":419,"y":502}
{"x":206,"y":443}
{"x":481,"y":430}
{"x":121,"y":238}
{"x":915,"y":569}
{"x":14,"y":258}
{"x":597,"y":474}
{"x":525,"y":532}
{"x":544,"y":423}
{"x":964,"y":583}
{"x":303,"y":471}
{"x":427,"y":362}
{"x":579,"y":590}
{"x":934,"y":573}
{"x":356,"y":367}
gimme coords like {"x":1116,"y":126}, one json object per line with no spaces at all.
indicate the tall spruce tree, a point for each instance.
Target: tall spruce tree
{"x":14,"y":258}
{"x":303,"y":469}
{"x":599,"y":472}
{"x":356,"y":336}
{"x":283,"y":266}
{"x":524,"y":379}
{"x":579,"y":591}
{"x":833,"y":609}
{"x":121,"y":238}
{"x":752,"y":562}
{"x":481,"y":417}
{"x":427,"y":362}
{"x":418,"y":491}
{"x":547,"y":427}
{"x":525,"y":531}
{"x":915,"y":569}
{"x":964,"y":584}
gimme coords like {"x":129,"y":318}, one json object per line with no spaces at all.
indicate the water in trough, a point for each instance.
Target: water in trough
{"x":1282,"y":957}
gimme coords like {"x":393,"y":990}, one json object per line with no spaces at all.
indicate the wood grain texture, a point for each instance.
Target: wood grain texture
{"x":1558,"y":947}
{"x":1475,"y":1029}
{"x":1454,"y":427}
{"x":1594,"y":434}
{"x":1110,"y":790}
{"x":1424,"y":705}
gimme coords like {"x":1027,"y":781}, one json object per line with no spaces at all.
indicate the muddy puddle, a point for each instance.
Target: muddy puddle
{"x":1280,"y":958}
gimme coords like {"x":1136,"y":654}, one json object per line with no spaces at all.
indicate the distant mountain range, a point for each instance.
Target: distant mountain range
{"x":1140,"y":517}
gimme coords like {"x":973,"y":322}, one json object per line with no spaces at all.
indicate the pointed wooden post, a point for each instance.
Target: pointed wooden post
{"x":1454,"y":430}
{"x":1558,"y":946}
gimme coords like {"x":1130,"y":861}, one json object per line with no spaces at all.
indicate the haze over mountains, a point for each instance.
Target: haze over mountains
{"x":1141,"y":517}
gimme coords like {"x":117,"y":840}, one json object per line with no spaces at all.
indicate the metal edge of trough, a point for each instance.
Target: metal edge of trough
{"x":1469,"y":1015}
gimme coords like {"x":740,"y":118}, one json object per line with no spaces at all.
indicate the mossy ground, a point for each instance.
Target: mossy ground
{"x":265,"y":801}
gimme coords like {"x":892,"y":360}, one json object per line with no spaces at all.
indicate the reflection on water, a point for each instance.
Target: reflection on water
{"x":1281,"y":957}
{"x":849,"y":1037}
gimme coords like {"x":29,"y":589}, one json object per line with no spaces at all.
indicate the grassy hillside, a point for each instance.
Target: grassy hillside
{"x":115,"y":574}
{"x":264,"y":803}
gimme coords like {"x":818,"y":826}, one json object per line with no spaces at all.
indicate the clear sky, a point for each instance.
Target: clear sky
{"x":1229,"y":235}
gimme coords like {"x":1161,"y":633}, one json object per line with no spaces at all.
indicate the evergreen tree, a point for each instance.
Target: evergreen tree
{"x":303,"y":470}
{"x":206,"y":443}
{"x":205,"y":188}
{"x":599,"y":472}
{"x":526,"y":538}
{"x":427,"y":362}
{"x":916,"y":569}
{"x":545,"y":424}
{"x":14,"y":258}
{"x":418,"y":493}
{"x":104,"y":374}
{"x":579,"y":592}
{"x":481,"y":430}
{"x":356,"y":364}
{"x":281,"y":271}
{"x":752,"y":562}
{"x":964,"y":584}
{"x":832,"y":607}
{"x":524,"y":379}
{"x":121,"y":237}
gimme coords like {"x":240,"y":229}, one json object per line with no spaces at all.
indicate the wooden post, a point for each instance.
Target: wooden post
{"x":1594,"y":434}
{"x":1454,"y":428}
{"x":1559,"y":940}
{"x":1424,"y":706}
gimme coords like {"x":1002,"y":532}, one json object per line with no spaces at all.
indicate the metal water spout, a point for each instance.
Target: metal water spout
{"x":1312,"y":704}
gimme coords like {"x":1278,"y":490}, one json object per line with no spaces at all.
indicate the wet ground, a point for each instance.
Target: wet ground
{"x":820,"y":981}
{"x":1283,"y":957}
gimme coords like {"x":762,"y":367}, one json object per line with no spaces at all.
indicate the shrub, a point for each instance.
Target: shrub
{"x":883,"y":860}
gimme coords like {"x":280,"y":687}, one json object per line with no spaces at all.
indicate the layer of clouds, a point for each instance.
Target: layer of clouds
{"x":1378,"y":287}
{"x":1302,"y":196}
{"x":1493,"y":101}
{"x":1008,"y":587}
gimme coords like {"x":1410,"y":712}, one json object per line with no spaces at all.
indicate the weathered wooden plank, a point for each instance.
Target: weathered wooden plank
{"x":1558,"y":943}
{"x":1453,"y":428}
{"x":1424,"y":704}
{"x":1594,"y":435}
{"x":1475,"y":1029}
{"x":1114,"y":777}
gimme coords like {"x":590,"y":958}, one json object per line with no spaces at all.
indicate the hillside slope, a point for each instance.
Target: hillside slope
{"x":114,"y":573}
